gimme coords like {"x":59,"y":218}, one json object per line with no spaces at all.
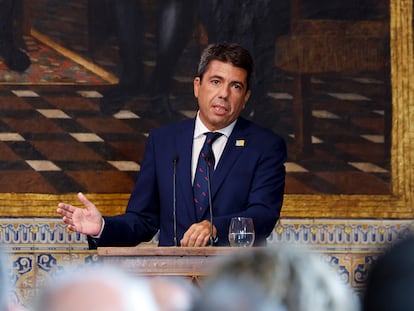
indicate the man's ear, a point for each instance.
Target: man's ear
{"x":196,"y":86}
{"x":246,"y":97}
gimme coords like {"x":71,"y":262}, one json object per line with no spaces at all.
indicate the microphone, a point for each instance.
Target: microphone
{"x":175,"y":160}
{"x":209,"y":157}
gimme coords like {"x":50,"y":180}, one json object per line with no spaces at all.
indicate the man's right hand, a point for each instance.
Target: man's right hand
{"x":86,"y":220}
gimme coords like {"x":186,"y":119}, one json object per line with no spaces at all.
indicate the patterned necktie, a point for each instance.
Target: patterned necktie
{"x":200,"y":186}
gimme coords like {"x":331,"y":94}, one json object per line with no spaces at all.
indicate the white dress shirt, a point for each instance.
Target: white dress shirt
{"x":199,"y":138}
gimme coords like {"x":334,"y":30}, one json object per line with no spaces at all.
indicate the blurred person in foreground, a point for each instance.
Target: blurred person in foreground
{"x":8,"y":299}
{"x":286,"y":277}
{"x":245,"y":163}
{"x":109,"y":288}
{"x":4,"y":283}
{"x":390,"y":284}
{"x":96,"y":289}
{"x":174,"y":293}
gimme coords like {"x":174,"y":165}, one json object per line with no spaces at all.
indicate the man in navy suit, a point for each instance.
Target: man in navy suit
{"x":247,"y":180}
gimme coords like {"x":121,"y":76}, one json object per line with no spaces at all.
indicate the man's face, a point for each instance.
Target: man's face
{"x":222,"y":94}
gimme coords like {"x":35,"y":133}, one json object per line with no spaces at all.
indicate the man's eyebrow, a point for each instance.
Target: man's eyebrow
{"x":215,"y":76}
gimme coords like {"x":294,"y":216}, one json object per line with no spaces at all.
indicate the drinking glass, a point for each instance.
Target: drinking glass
{"x":241,"y":232}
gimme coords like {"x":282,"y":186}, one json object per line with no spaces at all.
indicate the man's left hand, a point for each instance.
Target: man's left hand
{"x":198,"y":234}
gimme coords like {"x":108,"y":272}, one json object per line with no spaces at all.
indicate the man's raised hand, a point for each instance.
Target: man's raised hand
{"x":87,"y":220}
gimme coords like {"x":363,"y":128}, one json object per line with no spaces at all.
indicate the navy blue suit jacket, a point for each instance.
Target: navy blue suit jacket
{"x":248,"y":181}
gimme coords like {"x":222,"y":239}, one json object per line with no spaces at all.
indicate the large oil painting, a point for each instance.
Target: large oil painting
{"x":82,"y":83}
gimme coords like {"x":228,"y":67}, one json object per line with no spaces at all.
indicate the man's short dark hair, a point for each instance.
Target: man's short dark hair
{"x":228,"y":53}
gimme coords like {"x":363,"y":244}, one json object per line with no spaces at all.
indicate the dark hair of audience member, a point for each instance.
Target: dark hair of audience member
{"x":390,"y":283}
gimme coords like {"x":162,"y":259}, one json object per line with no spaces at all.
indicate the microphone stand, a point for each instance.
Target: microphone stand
{"x":175,"y":160}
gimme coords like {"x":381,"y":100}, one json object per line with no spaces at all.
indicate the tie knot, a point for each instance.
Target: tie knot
{"x":212,"y":136}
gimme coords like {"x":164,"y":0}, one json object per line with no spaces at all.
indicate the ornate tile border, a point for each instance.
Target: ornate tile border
{"x":39,"y":248}
{"x":43,"y":234}
{"x":341,"y":235}
{"x":30,"y":234}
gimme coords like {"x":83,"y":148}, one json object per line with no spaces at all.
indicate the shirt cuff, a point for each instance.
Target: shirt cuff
{"x":100,"y":232}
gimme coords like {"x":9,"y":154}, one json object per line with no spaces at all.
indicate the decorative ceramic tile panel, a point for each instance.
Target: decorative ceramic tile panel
{"x":41,"y":248}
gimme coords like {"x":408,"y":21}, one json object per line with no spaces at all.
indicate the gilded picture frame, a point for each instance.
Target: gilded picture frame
{"x":397,"y":205}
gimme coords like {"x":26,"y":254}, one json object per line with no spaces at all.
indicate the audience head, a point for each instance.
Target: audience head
{"x":227,"y":53}
{"x":288,"y":278}
{"x":226,"y":293}
{"x":98,"y":288}
{"x":390,"y":281}
{"x":8,"y":299}
{"x":4,"y":291}
{"x":173,"y":293}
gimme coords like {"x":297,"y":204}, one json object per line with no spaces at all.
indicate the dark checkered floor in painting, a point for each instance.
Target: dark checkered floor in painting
{"x":53,"y":139}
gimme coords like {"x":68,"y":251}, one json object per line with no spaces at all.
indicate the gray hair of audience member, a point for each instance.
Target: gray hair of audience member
{"x":390,"y":280}
{"x":174,"y":293}
{"x":96,"y":288}
{"x":229,"y":294}
{"x":289,"y":277}
{"x":4,"y":281}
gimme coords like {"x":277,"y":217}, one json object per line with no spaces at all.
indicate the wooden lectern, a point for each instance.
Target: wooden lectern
{"x":190,"y":262}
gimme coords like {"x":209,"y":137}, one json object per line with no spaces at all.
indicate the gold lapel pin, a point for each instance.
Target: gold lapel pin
{"x":240,"y":143}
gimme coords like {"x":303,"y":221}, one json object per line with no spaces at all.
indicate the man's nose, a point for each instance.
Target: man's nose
{"x":224,"y":91}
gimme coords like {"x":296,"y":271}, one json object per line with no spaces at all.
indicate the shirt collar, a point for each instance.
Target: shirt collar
{"x":200,"y":128}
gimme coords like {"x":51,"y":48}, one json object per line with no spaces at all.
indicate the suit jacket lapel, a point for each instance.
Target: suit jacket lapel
{"x":184,"y":144}
{"x":232,"y":151}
